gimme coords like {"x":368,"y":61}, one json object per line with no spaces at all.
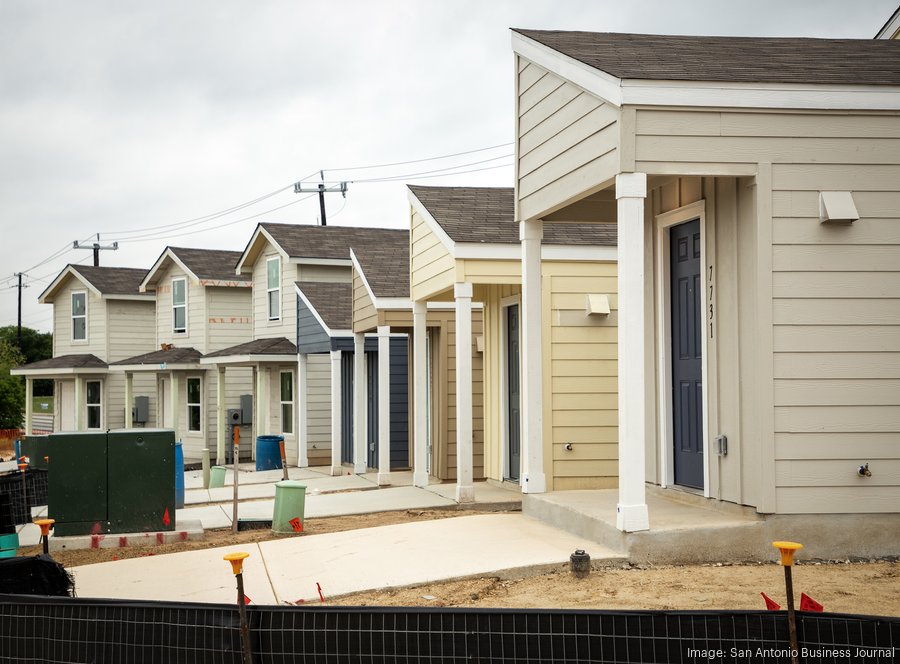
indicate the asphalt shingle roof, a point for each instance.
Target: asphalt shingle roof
{"x":215,"y":264}
{"x":386,"y":266}
{"x":112,"y":280}
{"x":486,"y":215}
{"x":739,"y":59}
{"x":173,"y":355}
{"x":326,"y":241}
{"x":332,"y":301}
{"x":275,"y":346}
{"x":85,"y":361}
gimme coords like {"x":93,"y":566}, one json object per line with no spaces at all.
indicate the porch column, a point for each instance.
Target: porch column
{"x":79,"y":404}
{"x":532,"y":414}
{"x":222,"y":425}
{"x":420,"y":395}
{"x":631,"y":512}
{"x":262,"y":401}
{"x":29,"y":404}
{"x":465,"y":491}
{"x":360,"y":424}
{"x":173,"y":401}
{"x":302,"y":397}
{"x":384,"y":405}
{"x":129,"y":399}
{"x":336,"y":468}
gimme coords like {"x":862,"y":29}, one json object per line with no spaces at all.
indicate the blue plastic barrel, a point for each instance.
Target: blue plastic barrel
{"x":179,"y":476}
{"x":268,"y":452}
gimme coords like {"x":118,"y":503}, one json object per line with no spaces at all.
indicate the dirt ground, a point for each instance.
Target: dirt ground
{"x":847,"y":587}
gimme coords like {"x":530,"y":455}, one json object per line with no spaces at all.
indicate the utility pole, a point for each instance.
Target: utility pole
{"x":96,"y":247}
{"x":321,"y":189}
{"x":19,"y":330}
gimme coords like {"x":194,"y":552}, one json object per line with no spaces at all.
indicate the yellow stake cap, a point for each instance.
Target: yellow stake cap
{"x":237,"y":560}
{"x":787,"y":551}
{"x":45,"y":525}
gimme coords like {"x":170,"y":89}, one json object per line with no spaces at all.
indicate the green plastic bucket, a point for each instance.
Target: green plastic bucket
{"x":216,"y":477}
{"x":290,"y":500}
{"x":8,"y":545}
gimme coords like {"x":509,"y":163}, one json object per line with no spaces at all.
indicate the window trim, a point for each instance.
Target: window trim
{"x":72,"y":316}
{"x":290,"y":420}
{"x":88,"y":406}
{"x":197,"y":404}
{"x":183,"y":330}
{"x":270,"y":290}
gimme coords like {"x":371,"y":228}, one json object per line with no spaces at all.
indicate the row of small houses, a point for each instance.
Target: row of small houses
{"x":694,"y":284}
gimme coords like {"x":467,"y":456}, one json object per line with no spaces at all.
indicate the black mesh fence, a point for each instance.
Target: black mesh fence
{"x":22,"y":494}
{"x":120,"y":632}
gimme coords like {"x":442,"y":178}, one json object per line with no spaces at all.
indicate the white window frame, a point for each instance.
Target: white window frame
{"x":289,"y":420}
{"x":276,"y":289}
{"x":193,"y":404}
{"x":84,"y":316}
{"x":98,"y":405}
{"x":184,"y":306}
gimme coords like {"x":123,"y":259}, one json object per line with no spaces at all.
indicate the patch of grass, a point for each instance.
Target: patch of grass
{"x":43,"y":405}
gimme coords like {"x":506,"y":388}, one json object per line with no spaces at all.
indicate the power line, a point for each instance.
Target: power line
{"x":401,"y":178}
{"x":418,"y":161}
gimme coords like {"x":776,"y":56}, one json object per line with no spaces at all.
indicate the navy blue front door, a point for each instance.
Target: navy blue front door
{"x":687,"y":330}
{"x":346,"y":407}
{"x":513,"y":399}
{"x":372,"y":409}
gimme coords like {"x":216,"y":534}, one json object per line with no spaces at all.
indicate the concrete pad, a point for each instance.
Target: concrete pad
{"x":413,"y":553}
{"x":211,"y":516}
{"x":184,"y":530}
{"x":196,"y":496}
{"x":192,"y":576}
{"x":364,"y":502}
{"x":245,"y":492}
{"x":484,"y":493}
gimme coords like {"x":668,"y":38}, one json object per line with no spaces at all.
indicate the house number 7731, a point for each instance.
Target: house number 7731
{"x":711,"y":310}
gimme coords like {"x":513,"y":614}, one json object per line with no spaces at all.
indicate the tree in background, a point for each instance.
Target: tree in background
{"x":35,"y":346}
{"x":12,"y":392}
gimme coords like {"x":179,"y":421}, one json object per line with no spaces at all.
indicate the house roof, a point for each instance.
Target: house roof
{"x":105,"y":281}
{"x":275,"y":346}
{"x":486,"y":215}
{"x":736,"y":59}
{"x":333,"y":302}
{"x":171,"y":355}
{"x":85,"y":361}
{"x":211,"y":267}
{"x":385,"y":266}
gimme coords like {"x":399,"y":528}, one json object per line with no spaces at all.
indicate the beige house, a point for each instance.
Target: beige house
{"x":100,"y":316}
{"x":472,"y":235}
{"x":381,"y":304}
{"x":755,"y":184}
{"x":201,"y":307}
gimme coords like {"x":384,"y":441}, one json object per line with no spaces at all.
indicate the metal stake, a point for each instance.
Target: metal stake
{"x":237,"y":562}
{"x":787,"y":550}
{"x":236,"y":437}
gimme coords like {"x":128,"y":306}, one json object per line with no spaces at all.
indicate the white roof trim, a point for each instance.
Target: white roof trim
{"x":379,"y":302}
{"x":239,"y":268}
{"x":167,"y":254}
{"x":68,"y":271}
{"x":70,"y":371}
{"x":431,"y":222}
{"x":319,"y":261}
{"x":487,"y":251}
{"x":248,"y":359}
{"x":139,"y":298}
{"x":160,"y":366}
{"x":891,"y":27}
{"x":723,"y":94}
{"x":576,"y":252}
{"x":362,"y":275}
{"x":319,"y":319}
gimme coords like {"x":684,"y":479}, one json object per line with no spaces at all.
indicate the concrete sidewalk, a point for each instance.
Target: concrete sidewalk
{"x":287,"y":570}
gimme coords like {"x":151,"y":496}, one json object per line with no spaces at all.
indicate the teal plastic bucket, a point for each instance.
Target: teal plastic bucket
{"x":216,"y":477}
{"x":290,"y":503}
{"x":8,"y":545}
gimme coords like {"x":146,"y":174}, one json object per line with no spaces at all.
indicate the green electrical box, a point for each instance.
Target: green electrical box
{"x":37,"y":449}
{"x":121,"y":481}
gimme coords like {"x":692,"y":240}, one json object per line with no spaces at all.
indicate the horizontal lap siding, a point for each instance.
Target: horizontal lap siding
{"x":432,"y":268}
{"x":318,"y":409}
{"x":131,"y":328}
{"x":195,"y":334}
{"x":567,"y":141}
{"x":229,"y":319}
{"x":263,"y":328}
{"x":580,"y":387}
{"x":365,"y":318}
{"x":95,"y":343}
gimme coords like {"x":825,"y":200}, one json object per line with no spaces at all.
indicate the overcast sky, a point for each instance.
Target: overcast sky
{"x":117,"y":117}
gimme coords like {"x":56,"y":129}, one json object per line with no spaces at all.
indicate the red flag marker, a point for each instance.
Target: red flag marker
{"x":166,"y":519}
{"x":296,"y":524}
{"x":771,"y":605}
{"x":321,"y":596}
{"x":807,"y":603}
{"x":246,"y":600}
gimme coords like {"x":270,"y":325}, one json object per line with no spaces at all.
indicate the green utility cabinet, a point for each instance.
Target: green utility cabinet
{"x":37,"y":449}
{"x":121,"y":481}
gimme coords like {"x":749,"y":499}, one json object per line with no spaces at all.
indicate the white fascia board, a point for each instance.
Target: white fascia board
{"x":448,"y":306}
{"x":49,"y":373}
{"x":362,"y":275}
{"x":431,"y":222}
{"x":394,"y":303}
{"x":487,"y":251}
{"x":69,"y":271}
{"x":168,"y":254}
{"x":598,"y":83}
{"x":343,"y":262}
{"x":248,"y":360}
{"x":135,"y":298}
{"x":573,"y":252}
{"x":315,"y":313}
{"x":891,"y":27}
{"x":148,"y":368}
{"x":260,"y":231}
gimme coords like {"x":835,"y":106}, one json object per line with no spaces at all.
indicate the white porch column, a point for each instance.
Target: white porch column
{"x":173,"y":401}
{"x":532,"y":414}
{"x":336,"y":468}
{"x":465,"y":491}
{"x":79,"y":403}
{"x":222,"y":425}
{"x":29,"y":404}
{"x":129,"y":399}
{"x":302,"y":398}
{"x":420,"y":395}
{"x":360,"y":424}
{"x":384,"y":405}
{"x":262,"y":401}
{"x":631,"y":512}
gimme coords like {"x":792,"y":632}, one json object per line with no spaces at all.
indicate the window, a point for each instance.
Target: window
{"x":273,"y":282}
{"x":179,"y":305}
{"x":94,"y":407}
{"x":287,"y":402}
{"x":193,"y":404}
{"x":79,"y":316}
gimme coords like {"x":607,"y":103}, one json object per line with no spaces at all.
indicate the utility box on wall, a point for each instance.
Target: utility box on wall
{"x":246,"y":409}
{"x":121,"y":481}
{"x":140,"y":414}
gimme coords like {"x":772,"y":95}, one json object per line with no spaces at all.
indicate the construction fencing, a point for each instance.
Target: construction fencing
{"x":125,"y":632}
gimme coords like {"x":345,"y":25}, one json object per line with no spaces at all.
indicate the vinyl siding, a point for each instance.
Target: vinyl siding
{"x":318,"y":409}
{"x":63,"y":343}
{"x":491,"y":271}
{"x":432,"y":268}
{"x":131,"y":326}
{"x":263,"y":328}
{"x":195,"y":335}
{"x":365,"y":318}
{"x":567,"y":141}
{"x":238,"y":381}
{"x":228,"y":317}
